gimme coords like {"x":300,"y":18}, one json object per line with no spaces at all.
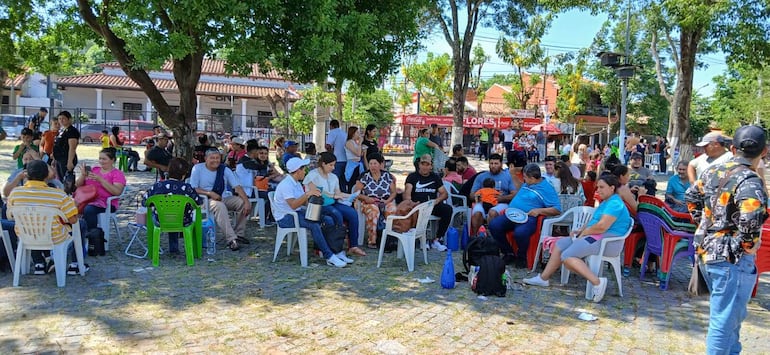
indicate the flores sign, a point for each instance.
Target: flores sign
{"x":519,"y":123}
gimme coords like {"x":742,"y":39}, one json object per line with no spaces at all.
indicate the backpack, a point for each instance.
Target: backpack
{"x":477,"y":248}
{"x":488,"y":279}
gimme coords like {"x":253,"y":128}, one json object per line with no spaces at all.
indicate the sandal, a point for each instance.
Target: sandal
{"x":356,"y":251}
{"x":233,"y":245}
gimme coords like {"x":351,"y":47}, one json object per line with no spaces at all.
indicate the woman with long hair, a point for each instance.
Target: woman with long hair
{"x":109,"y":181}
{"x":568,"y":184}
{"x":115,"y":142}
{"x":369,"y":144}
{"x":611,"y":219}
{"x":353,"y":153}
{"x":323,"y":178}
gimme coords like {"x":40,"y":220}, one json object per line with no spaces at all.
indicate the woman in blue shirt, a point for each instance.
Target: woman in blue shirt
{"x":610,"y":219}
{"x":676,"y":187}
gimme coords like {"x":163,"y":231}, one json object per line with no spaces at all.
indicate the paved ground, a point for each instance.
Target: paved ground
{"x":242,"y":302}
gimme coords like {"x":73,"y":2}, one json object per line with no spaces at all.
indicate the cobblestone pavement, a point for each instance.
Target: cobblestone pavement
{"x":243,"y":302}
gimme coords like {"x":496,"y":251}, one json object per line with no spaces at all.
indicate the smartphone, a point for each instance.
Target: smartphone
{"x":88,"y":169}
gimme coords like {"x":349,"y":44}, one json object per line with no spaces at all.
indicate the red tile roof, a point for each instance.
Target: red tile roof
{"x":16,"y":82}
{"x":216,"y":67}
{"x":100,"y":80}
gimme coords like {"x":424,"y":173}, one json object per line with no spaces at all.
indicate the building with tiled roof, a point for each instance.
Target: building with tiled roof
{"x":238,"y":103}
{"x":25,"y":93}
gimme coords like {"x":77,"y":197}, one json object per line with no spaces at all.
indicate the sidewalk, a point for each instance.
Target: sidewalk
{"x":243,"y":302}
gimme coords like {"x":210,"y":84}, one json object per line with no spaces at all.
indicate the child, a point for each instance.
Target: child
{"x":487,"y":195}
{"x":105,"y":138}
{"x":27,"y":135}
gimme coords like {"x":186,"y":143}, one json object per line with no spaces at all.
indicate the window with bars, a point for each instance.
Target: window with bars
{"x":132,"y":111}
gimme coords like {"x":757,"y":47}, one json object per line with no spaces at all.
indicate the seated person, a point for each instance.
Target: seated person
{"x":451,"y":175}
{"x":424,"y":185}
{"x":311,"y":154}
{"x":199,"y":152}
{"x":487,"y":195}
{"x":255,"y":173}
{"x":109,"y":181}
{"x":291,"y":148}
{"x":324,"y":179}
{"x":290,"y":197}
{"x":35,"y":193}
{"x":158,"y":157}
{"x":178,"y":170}
{"x":677,"y":185}
{"x":378,"y":195}
{"x":568,"y":185}
{"x":210,"y":178}
{"x":115,"y":142}
{"x":640,"y":177}
{"x":237,"y":151}
{"x":465,"y":169}
{"x":536,"y":197}
{"x":611,"y":219}
{"x":503,"y":183}
{"x":25,"y":145}
{"x":574,"y":169}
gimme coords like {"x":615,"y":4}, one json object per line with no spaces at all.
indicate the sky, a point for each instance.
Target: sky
{"x":569,"y":32}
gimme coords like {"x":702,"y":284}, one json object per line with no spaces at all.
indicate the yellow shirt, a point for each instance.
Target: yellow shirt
{"x":105,"y":141}
{"x":37,"y":193}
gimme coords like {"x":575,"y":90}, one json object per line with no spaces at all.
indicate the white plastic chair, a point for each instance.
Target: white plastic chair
{"x":595,"y":262}
{"x":454,"y":194}
{"x":33,"y":228}
{"x":9,"y":250}
{"x":575,"y":217}
{"x":258,"y":206}
{"x":288,"y":234}
{"x":407,"y":239}
{"x":104,"y":219}
{"x":652,"y":162}
{"x":361,"y":223}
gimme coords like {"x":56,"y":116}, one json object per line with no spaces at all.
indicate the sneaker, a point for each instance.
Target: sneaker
{"x":344,"y":257}
{"x":437,"y":245}
{"x":600,"y":289}
{"x":335,"y":261}
{"x":537,"y":281}
{"x":72,"y":269}
{"x":39,"y":269}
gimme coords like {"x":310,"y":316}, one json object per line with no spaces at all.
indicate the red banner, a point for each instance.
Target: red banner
{"x":468,"y":122}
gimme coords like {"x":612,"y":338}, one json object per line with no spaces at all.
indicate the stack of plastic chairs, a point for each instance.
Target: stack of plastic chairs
{"x":666,"y":238}
{"x":763,"y":256}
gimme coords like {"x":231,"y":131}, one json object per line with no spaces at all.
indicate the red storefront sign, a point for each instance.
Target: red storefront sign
{"x":468,"y":122}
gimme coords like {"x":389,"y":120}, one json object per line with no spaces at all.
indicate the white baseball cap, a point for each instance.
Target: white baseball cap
{"x":295,"y":164}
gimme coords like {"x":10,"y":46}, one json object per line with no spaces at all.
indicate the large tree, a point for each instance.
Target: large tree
{"x":307,"y":40}
{"x":431,"y":79}
{"x":508,"y":16}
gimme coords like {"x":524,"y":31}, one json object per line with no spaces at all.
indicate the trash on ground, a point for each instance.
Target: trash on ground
{"x":426,"y":280}
{"x":587,"y":317}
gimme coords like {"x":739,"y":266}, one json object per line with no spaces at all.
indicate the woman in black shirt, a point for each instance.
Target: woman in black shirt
{"x":65,"y":145}
{"x":369,"y":144}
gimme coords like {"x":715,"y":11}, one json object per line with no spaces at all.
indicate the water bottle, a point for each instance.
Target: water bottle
{"x":211,"y":243}
{"x":482,"y":232}
{"x":465,"y":238}
{"x":452,"y":239}
{"x":448,"y":273}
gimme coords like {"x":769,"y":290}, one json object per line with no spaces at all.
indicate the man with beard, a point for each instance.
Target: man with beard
{"x":503,"y":183}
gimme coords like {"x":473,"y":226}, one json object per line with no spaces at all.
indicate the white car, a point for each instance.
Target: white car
{"x":13,"y":124}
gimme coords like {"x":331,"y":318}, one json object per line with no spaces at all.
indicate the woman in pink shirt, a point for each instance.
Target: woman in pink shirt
{"x":109,"y":182}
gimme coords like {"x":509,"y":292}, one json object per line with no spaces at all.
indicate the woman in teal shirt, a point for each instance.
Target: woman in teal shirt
{"x":422,"y":146}
{"x":610,"y":219}
{"x":676,"y":187}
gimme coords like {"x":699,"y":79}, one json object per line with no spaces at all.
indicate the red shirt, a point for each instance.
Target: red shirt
{"x":468,"y":173}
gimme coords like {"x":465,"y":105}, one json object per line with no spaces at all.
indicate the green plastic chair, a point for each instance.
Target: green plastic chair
{"x":170,"y":211}
{"x":686,"y":227}
{"x":122,"y":160}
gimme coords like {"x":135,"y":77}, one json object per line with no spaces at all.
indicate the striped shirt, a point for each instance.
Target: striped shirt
{"x":37,"y":193}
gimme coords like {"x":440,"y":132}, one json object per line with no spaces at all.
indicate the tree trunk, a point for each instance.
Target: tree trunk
{"x":187,"y":72}
{"x":689,"y":41}
{"x":340,"y":103}
{"x":460,"y":86}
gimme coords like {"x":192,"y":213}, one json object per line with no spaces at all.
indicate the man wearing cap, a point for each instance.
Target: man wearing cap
{"x":424,"y":185}
{"x":716,"y":153}
{"x":34,"y":121}
{"x":728,"y":201}
{"x":335,"y":142}
{"x":503,"y":183}
{"x":291,"y":148}
{"x":639,"y":175}
{"x":237,"y":151}
{"x":291,"y":197}
{"x":158,"y":157}
{"x":212,"y":179}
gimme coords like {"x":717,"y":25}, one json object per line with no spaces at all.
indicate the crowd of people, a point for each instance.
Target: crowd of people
{"x":351,"y":174}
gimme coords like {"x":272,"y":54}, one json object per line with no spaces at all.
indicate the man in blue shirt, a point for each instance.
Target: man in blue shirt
{"x":335,"y":142}
{"x":503,"y":183}
{"x":536,"y":197}
{"x":291,"y":151}
{"x":677,"y":185}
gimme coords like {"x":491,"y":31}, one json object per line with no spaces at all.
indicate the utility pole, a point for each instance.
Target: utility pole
{"x":624,"y":91}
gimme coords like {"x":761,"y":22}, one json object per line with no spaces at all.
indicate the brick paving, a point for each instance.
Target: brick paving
{"x":242,"y":302}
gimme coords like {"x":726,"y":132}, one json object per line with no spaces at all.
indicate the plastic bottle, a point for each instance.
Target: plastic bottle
{"x":465,"y":238}
{"x":211,"y":243}
{"x":452,"y":239}
{"x":482,"y":232}
{"x":448,"y":273}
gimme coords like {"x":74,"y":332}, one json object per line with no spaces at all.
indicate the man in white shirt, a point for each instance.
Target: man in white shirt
{"x":335,"y":142}
{"x":550,"y":173}
{"x":211,"y":179}
{"x":508,"y":135}
{"x":715,"y":147}
{"x":291,"y":197}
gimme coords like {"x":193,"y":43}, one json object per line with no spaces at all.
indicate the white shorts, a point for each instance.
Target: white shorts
{"x":500,"y":209}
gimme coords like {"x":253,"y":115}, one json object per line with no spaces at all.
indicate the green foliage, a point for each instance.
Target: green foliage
{"x":574,"y":91}
{"x":369,"y":108}
{"x":740,"y":95}
{"x":432,"y":79}
{"x":301,"y":118}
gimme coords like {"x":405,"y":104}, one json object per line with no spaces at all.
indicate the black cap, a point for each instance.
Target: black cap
{"x":43,"y":109}
{"x":750,"y":139}
{"x":636,"y":155}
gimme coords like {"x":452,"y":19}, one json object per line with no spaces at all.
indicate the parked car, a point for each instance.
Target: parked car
{"x":133,"y":132}
{"x":92,"y":132}
{"x":13,"y":124}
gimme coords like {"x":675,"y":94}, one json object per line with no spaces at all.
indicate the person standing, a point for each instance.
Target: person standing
{"x":541,"y":141}
{"x":34,"y":121}
{"x":483,"y":143}
{"x":508,"y":135}
{"x":435,"y":136}
{"x":728,"y":202}
{"x":65,"y":145}
{"x":423,"y":146}
{"x":335,"y":142}
{"x":716,"y":153}
{"x":369,"y":144}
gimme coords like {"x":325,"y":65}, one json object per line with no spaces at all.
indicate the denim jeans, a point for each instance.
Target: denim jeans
{"x":731,"y":286}
{"x":340,"y":213}
{"x":315,"y":230}
{"x":521,"y":233}
{"x":339,"y":170}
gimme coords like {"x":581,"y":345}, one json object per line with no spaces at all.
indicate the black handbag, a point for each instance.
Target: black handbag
{"x":335,"y":236}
